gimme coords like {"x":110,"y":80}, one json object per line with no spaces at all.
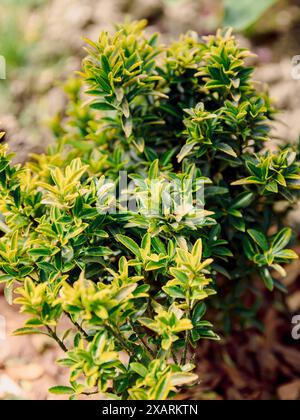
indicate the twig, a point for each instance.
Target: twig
{"x":120,"y":339}
{"x":141,"y":338}
{"x":184,"y":355}
{"x":187,"y":335}
{"x":79,"y":327}
{"x":56,"y":338}
{"x":90,"y":393}
{"x":174,"y":357}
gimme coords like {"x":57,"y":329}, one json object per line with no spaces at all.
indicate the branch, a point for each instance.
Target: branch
{"x":56,"y":338}
{"x":187,"y":335}
{"x":80,"y":329}
{"x":175,"y":357}
{"x":145,"y":344}
{"x":119,"y":337}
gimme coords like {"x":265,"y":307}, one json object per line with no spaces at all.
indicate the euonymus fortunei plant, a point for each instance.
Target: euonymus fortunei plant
{"x":134,"y":280}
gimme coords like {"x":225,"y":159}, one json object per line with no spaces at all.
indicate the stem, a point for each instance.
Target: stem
{"x":90,"y":393}
{"x":119,"y":337}
{"x":56,"y":338}
{"x":184,"y":355}
{"x":147,"y":347}
{"x":187,"y":334}
{"x":80,"y":329}
{"x":174,"y":357}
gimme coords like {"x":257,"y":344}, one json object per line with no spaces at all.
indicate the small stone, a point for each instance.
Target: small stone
{"x":290,"y":391}
{"x":28,"y":372}
{"x":293,"y":302}
{"x":9,"y":387}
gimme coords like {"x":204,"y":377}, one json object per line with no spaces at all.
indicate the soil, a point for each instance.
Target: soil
{"x":27,"y":363}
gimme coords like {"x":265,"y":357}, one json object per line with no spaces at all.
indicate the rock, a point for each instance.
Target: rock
{"x":293,"y":302}
{"x":41,"y":342}
{"x":290,"y":391}
{"x":28,"y":372}
{"x":293,"y":272}
{"x":145,"y":9}
{"x":8,"y":387}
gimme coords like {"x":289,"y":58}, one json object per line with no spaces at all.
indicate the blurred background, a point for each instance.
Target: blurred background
{"x":41,"y":41}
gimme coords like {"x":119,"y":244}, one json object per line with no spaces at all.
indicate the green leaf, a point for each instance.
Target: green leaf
{"x":248,"y":180}
{"x":287,"y":254}
{"x":259,"y":238}
{"x":162,"y":388}
{"x":139,"y":369}
{"x":272,"y":187}
{"x":243,"y":13}
{"x":179,"y":275}
{"x":5,"y":278}
{"x":174,"y":292}
{"x":198,"y":312}
{"x":204,"y":324}
{"x":105,"y":64}
{"x":155,"y":265}
{"x":183,"y":378}
{"x":208,"y":334}
{"x":222,"y":251}
{"x":281,"y":240}
{"x":238,"y":223}
{"x":267,"y":278}
{"x":41,"y":252}
{"x":197,"y":250}
{"x":248,"y":248}
{"x":280,"y":286}
{"x":127,"y":127}
{"x":61,"y":390}
{"x":242,"y":200}
{"x":235,"y":213}
{"x":146,"y":243}
{"x":147,"y":322}
{"x":28,"y":330}
{"x":129,"y":244}
{"x":215,"y":190}
{"x":154,"y":170}
{"x":186,"y":150}
{"x":34,"y":322}
{"x":104,"y":84}
{"x":99,"y":251}
{"x":125,"y":291}
{"x":225,"y":148}
{"x":8,"y":292}
{"x":101,"y":233}
{"x":102,"y":106}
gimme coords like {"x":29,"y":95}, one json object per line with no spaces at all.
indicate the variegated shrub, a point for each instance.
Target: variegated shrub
{"x":133,"y":280}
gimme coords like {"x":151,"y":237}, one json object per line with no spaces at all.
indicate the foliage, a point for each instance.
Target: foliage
{"x":244,"y":13}
{"x":132,"y":266}
{"x":15,"y":41}
{"x":240,"y":15}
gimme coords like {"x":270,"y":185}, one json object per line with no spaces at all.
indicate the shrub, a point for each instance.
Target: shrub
{"x":178,"y":121}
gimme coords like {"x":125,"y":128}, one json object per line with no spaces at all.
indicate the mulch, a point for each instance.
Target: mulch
{"x":253,"y":364}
